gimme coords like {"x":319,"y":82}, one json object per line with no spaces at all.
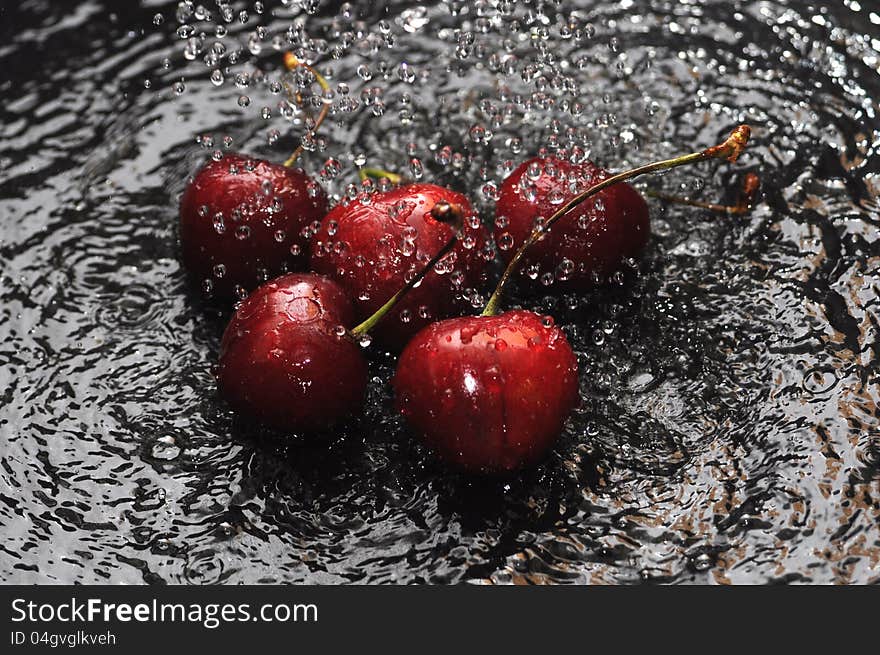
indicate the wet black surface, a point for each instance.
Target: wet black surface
{"x":729,"y":430}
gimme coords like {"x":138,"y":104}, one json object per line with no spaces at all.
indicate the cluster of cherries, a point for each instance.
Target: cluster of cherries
{"x":487,"y":393}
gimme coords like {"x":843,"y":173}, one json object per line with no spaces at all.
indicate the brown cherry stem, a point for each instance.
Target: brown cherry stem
{"x":292,"y":62}
{"x":744,"y":200}
{"x":730,"y":149}
{"x":445,"y":212}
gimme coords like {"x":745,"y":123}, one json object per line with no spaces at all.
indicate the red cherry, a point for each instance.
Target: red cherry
{"x":589,"y":242}
{"x":285,"y":360}
{"x":371,"y":246}
{"x":242,"y":221}
{"x":488,"y":394}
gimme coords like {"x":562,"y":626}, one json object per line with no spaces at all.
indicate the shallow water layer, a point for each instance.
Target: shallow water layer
{"x":729,"y":428}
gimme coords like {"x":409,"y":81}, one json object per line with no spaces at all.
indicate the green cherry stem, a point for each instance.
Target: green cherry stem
{"x":445,"y":212}
{"x":730,"y":149}
{"x":291,"y":62}
{"x":379,"y":173}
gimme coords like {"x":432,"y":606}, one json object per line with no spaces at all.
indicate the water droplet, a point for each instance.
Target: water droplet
{"x":405,"y":73}
{"x":702,"y":562}
{"x":165,"y":448}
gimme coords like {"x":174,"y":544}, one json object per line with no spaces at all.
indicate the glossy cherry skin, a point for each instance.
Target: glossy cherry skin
{"x":283,"y":361}
{"x":584,"y":246}
{"x":371,"y":247}
{"x":488,"y":394}
{"x":242,"y":221}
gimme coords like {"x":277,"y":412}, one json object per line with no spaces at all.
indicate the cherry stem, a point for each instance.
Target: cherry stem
{"x":730,"y":149}
{"x":379,"y":173}
{"x":452,"y":215}
{"x":744,"y":200}
{"x":292,"y":62}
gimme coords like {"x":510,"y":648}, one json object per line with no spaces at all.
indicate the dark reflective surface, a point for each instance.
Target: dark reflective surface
{"x":729,"y":430}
